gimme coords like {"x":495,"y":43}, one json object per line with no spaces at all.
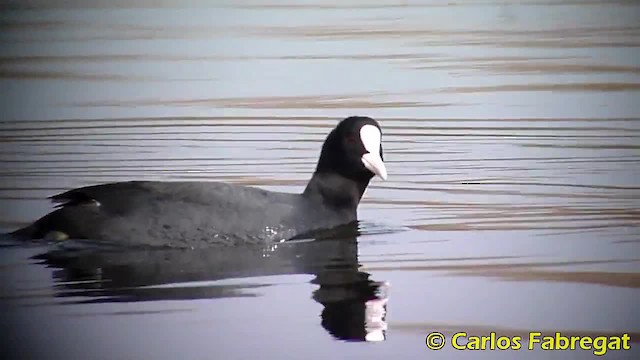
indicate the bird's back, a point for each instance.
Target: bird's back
{"x":176,"y":214}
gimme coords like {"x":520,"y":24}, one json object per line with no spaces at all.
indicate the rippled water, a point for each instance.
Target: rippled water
{"x":510,"y":132}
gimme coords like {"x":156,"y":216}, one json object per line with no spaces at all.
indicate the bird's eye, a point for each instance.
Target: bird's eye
{"x":351,"y":139}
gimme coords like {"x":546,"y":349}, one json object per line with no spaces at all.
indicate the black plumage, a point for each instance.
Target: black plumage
{"x":195,"y":214}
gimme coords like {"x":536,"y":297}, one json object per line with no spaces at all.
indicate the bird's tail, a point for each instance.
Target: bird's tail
{"x":26,"y":233}
{"x":34,"y":231}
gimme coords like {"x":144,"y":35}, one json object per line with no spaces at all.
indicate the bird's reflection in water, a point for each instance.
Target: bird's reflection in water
{"x":354,"y":306}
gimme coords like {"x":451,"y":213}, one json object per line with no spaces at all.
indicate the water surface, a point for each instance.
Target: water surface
{"x":511,"y":139}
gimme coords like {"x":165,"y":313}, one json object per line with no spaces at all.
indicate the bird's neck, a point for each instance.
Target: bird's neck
{"x":335,"y":191}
